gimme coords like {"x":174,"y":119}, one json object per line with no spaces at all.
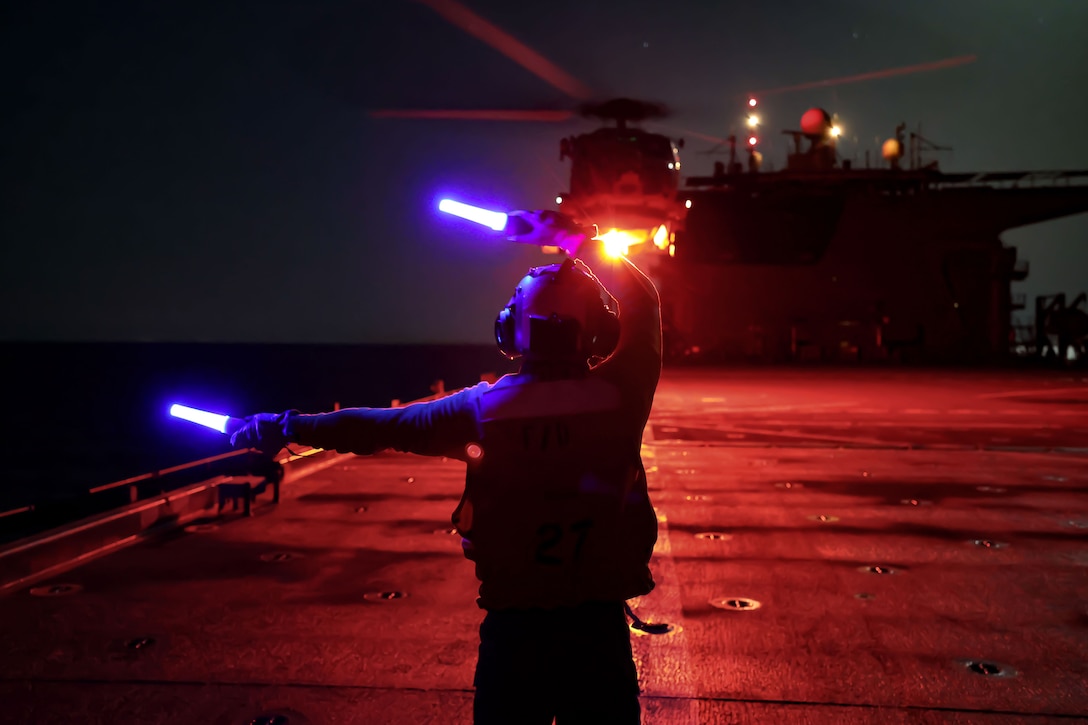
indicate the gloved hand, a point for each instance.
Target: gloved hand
{"x":264,"y":431}
{"x":546,"y":228}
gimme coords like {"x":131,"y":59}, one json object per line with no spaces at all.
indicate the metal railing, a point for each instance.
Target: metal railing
{"x":134,"y":482}
{"x":31,"y":518}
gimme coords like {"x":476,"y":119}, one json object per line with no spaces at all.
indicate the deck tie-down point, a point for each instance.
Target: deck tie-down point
{"x":55,"y":590}
{"x":739,"y":604}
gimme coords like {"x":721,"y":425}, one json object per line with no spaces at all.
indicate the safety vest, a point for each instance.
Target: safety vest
{"x":556,"y":511}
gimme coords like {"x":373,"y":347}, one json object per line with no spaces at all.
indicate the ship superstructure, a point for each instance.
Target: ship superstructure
{"x":822,"y":261}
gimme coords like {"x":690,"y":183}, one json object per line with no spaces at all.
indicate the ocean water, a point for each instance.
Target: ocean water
{"x":79,"y":415}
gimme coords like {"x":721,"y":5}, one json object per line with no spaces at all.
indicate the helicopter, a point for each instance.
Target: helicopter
{"x":623,"y":178}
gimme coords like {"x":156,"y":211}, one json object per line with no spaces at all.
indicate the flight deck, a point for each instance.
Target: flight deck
{"x":835,"y":546}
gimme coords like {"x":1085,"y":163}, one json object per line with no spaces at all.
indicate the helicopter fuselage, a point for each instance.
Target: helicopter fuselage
{"x":623,"y":179}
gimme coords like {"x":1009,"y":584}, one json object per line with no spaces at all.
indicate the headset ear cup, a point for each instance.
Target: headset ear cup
{"x":608,"y":333}
{"x":504,"y":333}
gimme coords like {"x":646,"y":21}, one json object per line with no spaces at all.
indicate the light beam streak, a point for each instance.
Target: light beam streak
{"x":873,"y":75}
{"x":509,"y":46}
{"x":437,"y":114}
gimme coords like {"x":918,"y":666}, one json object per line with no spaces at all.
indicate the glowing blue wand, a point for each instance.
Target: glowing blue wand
{"x":544,"y":228}
{"x":215,"y":421}
{"x":494,"y":219}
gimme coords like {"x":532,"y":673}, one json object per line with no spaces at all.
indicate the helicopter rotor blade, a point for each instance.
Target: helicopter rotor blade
{"x":873,"y":75}
{"x":511,"y":47}
{"x":475,"y":115}
{"x":695,"y":134}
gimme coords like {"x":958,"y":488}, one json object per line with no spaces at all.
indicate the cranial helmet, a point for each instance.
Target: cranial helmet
{"x":557,"y":313}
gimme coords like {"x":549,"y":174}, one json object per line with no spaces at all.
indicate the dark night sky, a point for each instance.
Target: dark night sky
{"x":207,"y":171}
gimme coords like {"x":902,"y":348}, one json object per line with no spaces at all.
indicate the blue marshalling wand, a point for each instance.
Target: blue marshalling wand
{"x":215,"y":421}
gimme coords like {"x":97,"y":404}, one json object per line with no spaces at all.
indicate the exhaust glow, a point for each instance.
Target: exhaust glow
{"x":494,"y":219}
{"x":215,"y":421}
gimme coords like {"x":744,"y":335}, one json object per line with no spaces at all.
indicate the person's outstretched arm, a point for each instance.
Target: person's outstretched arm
{"x":442,"y":427}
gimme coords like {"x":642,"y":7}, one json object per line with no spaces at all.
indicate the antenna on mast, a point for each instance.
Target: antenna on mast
{"x":918,"y":144}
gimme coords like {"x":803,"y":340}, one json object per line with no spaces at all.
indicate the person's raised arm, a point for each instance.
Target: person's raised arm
{"x":637,"y":358}
{"x":639,"y":348}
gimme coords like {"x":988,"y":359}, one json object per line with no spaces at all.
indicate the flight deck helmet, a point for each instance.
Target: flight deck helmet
{"x":557,"y":313}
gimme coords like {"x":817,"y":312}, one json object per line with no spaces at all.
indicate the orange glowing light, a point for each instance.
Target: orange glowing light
{"x":661,"y":237}
{"x":617,"y":242}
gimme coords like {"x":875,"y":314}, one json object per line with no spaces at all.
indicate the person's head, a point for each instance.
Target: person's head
{"x":557,"y":315}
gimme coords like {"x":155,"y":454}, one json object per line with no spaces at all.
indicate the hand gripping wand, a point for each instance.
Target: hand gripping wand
{"x":261,"y":463}
{"x":541,"y":227}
